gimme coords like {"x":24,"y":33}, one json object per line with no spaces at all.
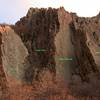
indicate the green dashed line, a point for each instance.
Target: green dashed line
{"x":65,"y":59}
{"x":40,"y":50}
{"x":61,"y":59}
{"x":97,"y":52}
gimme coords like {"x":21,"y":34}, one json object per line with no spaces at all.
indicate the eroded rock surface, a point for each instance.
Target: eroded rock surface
{"x":42,"y":26}
{"x":4,"y":92}
{"x":14,"y":53}
{"x":51,"y":50}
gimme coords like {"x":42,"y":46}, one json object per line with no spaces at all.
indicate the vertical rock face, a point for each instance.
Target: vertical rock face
{"x":54,"y":31}
{"x":42,"y":26}
{"x":14,"y":53}
{"x":63,"y":38}
{"x":90,"y":27}
{"x":64,"y":47}
{"x":56,"y":41}
{"x":85,"y":63}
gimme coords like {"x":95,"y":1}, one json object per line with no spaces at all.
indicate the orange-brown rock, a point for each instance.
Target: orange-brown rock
{"x":51,"y":54}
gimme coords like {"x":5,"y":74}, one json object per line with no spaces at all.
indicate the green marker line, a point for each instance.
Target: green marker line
{"x":97,"y":52}
{"x":65,"y":59}
{"x":40,"y":50}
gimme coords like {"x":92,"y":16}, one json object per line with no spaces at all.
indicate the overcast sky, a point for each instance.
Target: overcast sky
{"x":12,"y":10}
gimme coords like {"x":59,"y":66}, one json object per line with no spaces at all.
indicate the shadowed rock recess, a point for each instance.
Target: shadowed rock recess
{"x":50,"y":54}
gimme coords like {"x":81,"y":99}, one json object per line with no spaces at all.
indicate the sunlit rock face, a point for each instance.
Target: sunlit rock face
{"x":13,"y":53}
{"x":55,"y":49}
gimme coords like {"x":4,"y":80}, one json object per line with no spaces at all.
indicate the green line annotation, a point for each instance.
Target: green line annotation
{"x":97,"y":52}
{"x":65,"y":59}
{"x":40,"y":50}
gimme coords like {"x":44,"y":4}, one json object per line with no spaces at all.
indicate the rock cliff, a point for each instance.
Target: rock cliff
{"x":55,"y":49}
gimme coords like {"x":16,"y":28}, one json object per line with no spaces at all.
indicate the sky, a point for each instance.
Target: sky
{"x":12,"y":10}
